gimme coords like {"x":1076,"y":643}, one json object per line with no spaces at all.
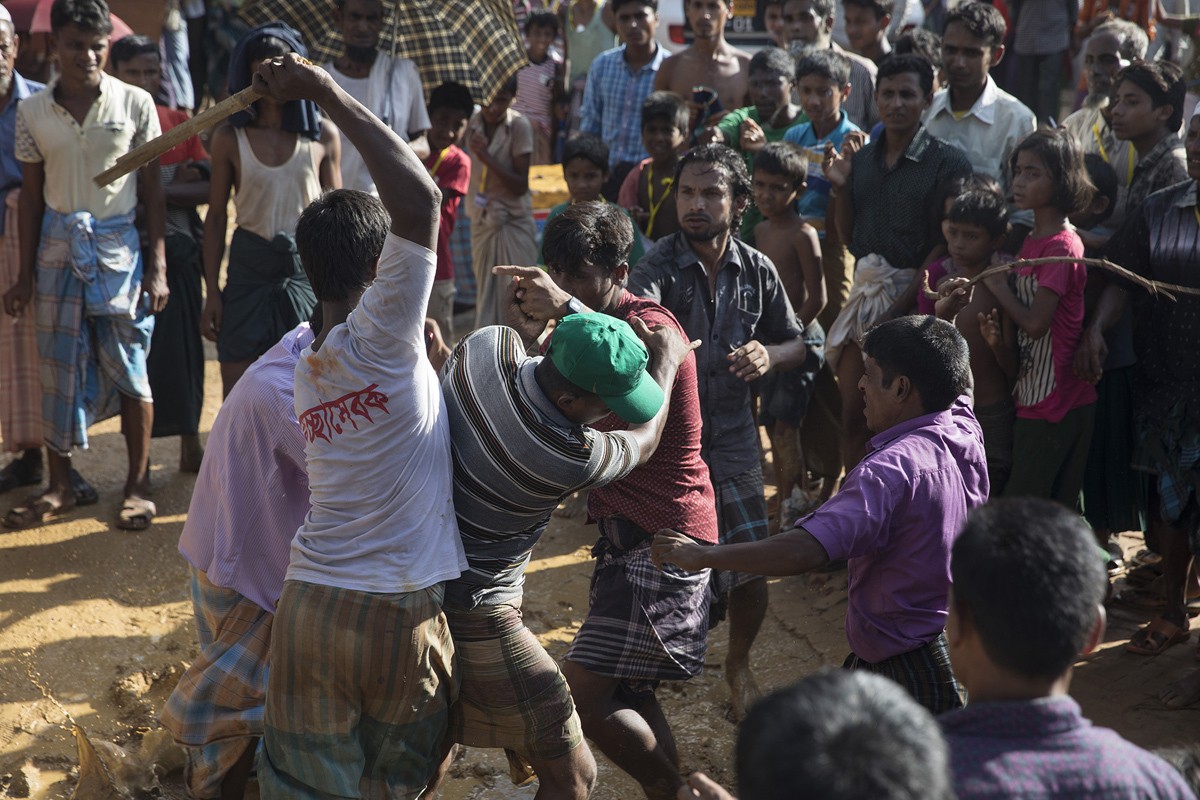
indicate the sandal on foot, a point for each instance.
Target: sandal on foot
{"x":1156,"y":637}
{"x":1141,"y":597}
{"x":1143,"y":574}
{"x":136,"y":514}
{"x":36,"y":511}
{"x":85,"y":493}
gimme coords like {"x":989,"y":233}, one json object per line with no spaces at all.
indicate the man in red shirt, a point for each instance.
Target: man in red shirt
{"x":643,"y":625}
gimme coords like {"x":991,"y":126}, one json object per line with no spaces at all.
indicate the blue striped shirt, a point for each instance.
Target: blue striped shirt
{"x":612,"y":103}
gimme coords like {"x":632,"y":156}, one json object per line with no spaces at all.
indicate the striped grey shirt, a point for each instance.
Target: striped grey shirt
{"x":515,"y":458}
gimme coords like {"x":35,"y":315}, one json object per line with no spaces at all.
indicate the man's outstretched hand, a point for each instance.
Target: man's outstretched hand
{"x":291,"y":77}
{"x":673,"y":547}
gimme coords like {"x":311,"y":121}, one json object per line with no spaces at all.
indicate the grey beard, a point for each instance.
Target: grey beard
{"x":361,"y":55}
{"x":6,"y":81}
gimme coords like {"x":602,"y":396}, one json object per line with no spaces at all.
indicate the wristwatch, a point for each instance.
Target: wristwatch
{"x":574,"y":306}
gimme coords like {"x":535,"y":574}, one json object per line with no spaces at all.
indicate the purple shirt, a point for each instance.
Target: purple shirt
{"x":252,"y":492}
{"x":1044,"y":748}
{"x":894,"y":519}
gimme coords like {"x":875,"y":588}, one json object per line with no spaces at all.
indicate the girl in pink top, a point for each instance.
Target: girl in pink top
{"x":1045,"y":302}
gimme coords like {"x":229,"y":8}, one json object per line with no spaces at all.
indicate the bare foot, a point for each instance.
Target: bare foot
{"x":191,"y":453}
{"x":574,"y":507}
{"x":1181,"y":693}
{"x":744,"y":689}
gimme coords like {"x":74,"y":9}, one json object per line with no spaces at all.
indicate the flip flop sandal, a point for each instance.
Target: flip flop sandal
{"x":85,"y":493}
{"x":1143,"y":574}
{"x":1156,"y":637}
{"x":35,"y":512}
{"x":1145,"y":557}
{"x":135,"y":515}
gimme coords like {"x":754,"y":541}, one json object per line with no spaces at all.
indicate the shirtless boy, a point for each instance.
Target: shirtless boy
{"x":709,"y":62}
{"x":794,"y":249}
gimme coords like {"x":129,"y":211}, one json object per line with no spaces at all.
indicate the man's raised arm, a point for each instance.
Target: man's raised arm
{"x":404,"y":185}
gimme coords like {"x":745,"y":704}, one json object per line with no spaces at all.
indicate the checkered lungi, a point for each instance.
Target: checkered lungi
{"x":513,"y":694}
{"x":216,"y":709}
{"x":20,"y":385}
{"x":925,"y":673}
{"x":644,"y":625}
{"x":93,"y":331}
{"x":359,"y":693}
{"x":741,"y":517}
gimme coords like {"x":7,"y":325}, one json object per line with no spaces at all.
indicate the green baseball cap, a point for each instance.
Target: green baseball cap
{"x":602,"y":355}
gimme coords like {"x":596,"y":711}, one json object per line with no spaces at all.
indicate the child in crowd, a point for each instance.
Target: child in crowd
{"x":500,"y":141}
{"x":794,"y":249}
{"x":450,"y":106}
{"x":772,"y":14}
{"x":541,"y":87}
{"x":867,"y":24}
{"x":1055,"y":408}
{"x":749,"y":129}
{"x":941,"y":265}
{"x":975,"y":229}
{"x":585,"y":170}
{"x":648,"y":191}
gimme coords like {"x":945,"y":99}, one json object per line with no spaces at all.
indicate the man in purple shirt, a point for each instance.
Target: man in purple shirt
{"x":1023,"y":735}
{"x":897,"y":514}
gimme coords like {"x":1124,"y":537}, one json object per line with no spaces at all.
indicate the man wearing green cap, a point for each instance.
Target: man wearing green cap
{"x":521,"y":443}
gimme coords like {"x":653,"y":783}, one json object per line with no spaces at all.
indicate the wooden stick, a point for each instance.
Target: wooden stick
{"x":143,"y":155}
{"x":1168,"y":290}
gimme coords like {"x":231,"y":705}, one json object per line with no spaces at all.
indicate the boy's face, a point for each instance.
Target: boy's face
{"x":637,"y":24}
{"x":966,"y":59}
{"x":1191,"y":146}
{"x":969,"y":245}
{"x":584,"y":179}
{"x":707,"y":18}
{"x":81,"y":54}
{"x":494,"y":111}
{"x":1101,"y":63}
{"x":773,"y":22}
{"x":770,"y":91}
{"x":863,"y":29}
{"x":901,"y":101}
{"x":774,"y":193}
{"x":588,"y":282}
{"x":1133,"y":114}
{"x":446,"y":127}
{"x":141,"y":71}
{"x":662,"y":139}
{"x":540,"y":38}
{"x":821,"y":98}
{"x":803,"y":24}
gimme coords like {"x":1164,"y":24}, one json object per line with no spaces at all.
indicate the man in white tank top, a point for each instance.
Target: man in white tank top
{"x":390,"y":87}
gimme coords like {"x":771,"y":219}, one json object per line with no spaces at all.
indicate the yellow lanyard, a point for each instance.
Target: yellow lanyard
{"x":654,"y":207}
{"x":1196,"y":211}
{"x":1104,"y":154}
{"x":482,"y":180}
{"x":433,"y":170}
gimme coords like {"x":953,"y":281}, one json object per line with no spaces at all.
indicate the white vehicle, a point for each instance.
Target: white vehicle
{"x":745,"y":28}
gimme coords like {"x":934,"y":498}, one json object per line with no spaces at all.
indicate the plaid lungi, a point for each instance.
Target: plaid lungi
{"x":217,"y":707}
{"x":20,"y":384}
{"x":359,"y":691}
{"x":741,"y":517}
{"x":93,"y":331}
{"x":644,"y":625}
{"x":925,"y":673}
{"x":513,"y":694}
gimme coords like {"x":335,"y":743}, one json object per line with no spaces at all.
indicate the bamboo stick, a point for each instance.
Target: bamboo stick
{"x":1168,"y":290}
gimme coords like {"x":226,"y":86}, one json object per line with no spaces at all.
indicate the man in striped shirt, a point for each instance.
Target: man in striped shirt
{"x":521,"y":443}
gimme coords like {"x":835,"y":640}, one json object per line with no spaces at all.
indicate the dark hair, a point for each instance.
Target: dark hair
{"x":894,"y":65}
{"x":508,"y":87}
{"x":828,"y":64}
{"x":1186,"y":761}
{"x":587,"y":146}
{"x":882,"y":8}
{"x":1063,"y":159}
{"x":542,"y":19}
{"x":454,"y":96}
{"x":729,"y":163}
{"x":841,"y":735}
{"x":950,"y":189}
{"x":616,"y":4}
{"x":89,"y":15}
{"x":339,"y":238}
{"x":265,"y":47}
{"x":785,"y":159}
{"x":595,"y":232}
{"x":1105,"y":179}
{"x":1163,"y":81}
{"x":1132,"y":40}
{"x":1049,"y":553}
{"x":930,"y":352}
{"x":774,"y":60}
{"x":986,"y":209}
{"x":923,"y":43}
{"x":130,"y":47}
{"x":666,"y":106}
{"x":982,"y":20}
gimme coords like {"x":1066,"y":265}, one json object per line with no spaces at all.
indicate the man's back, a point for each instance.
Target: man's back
{"x":1045,"y":748}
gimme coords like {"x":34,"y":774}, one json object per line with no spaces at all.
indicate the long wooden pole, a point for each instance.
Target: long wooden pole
{"x":143,"y":155}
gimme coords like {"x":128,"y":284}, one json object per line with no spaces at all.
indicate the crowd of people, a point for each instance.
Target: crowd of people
{"x":871,"y":251}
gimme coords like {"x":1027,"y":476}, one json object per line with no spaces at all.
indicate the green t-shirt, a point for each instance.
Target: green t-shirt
{"x":730,"y":127}
{"x":635,"y":253}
